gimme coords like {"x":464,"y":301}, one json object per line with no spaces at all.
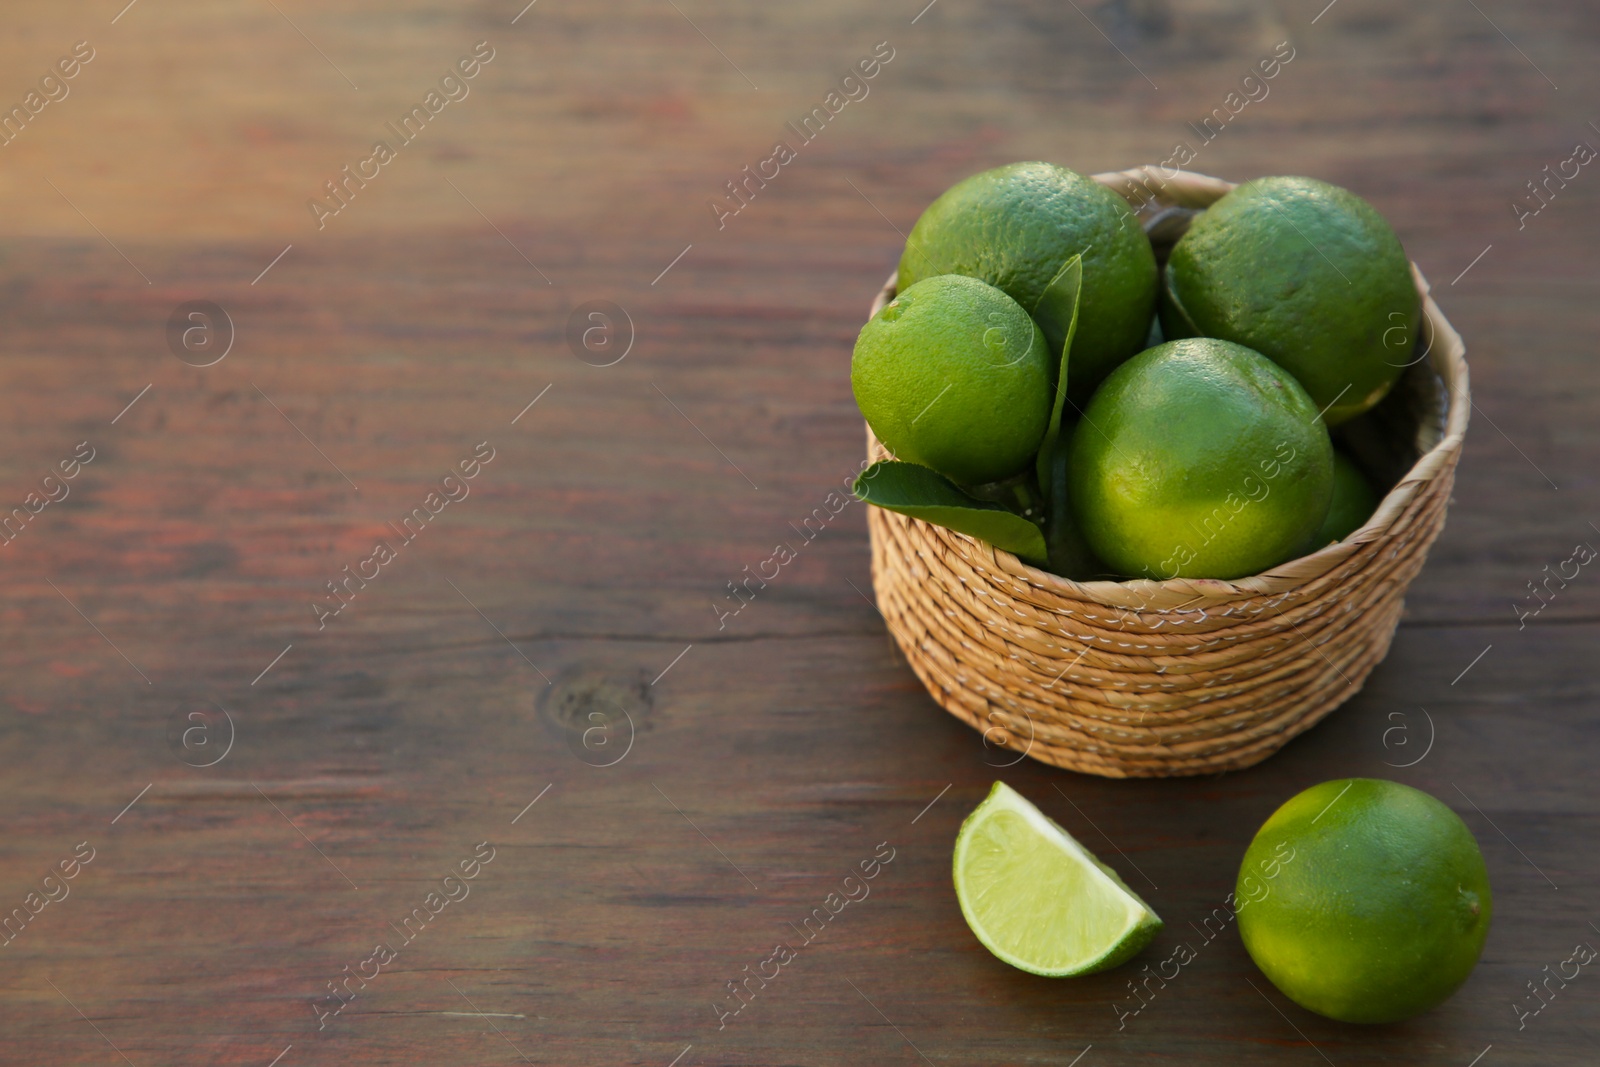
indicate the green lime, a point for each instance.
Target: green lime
{"x":1353,"y":502}
{"x":1015,"y":226}
{"x":1364,"y":900}
{"x":953,"y":374}
{"x":1309,"y":275}
{"x":1199,"y":459}
{"x":1037,"y":899}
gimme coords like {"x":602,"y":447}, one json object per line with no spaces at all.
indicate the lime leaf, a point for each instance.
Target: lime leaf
{"x":1057,"y":307}
{"x":1070,"y":554}
{"x":1174,"y":318}
{"x":1059,"y":301}
{"x":1038,"y":899}
{"x":928,"y":495}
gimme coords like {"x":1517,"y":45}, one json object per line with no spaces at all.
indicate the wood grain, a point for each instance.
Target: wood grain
{"x":780,"y":749}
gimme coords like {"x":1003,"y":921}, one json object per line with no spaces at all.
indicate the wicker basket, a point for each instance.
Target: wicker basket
{"x":1189,"y":676}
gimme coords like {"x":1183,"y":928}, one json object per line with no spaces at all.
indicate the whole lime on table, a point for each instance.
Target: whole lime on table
{"x":1354,"y":501}
{"x":1379,"y":911}
{"x":1038,"y":899}
{"x":1200,"y":458}
{"x":952,"y":374}
{"x":1015,"y":226}
{"x":1309,"y":275}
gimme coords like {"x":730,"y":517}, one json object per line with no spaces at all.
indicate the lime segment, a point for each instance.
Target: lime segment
{"x":1039,"y":900}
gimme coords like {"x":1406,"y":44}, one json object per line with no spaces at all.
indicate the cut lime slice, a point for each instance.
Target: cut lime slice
{"x":1037,"y":899}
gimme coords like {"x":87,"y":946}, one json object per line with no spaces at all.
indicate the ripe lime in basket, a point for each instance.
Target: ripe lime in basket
{"x":952,"y":374}
{"x":1015,"y":226}
{"x":1037,"y":899}
{"x":1354,"y":501}
{"x":1378,"y":905}
{"x":1200,"y":459}
{"x":1309,"y":275}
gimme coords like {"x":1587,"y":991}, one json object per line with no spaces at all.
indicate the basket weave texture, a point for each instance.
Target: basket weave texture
{"x":1189,"y":676}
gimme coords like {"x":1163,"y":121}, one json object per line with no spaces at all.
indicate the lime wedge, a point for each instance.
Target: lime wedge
{"x":1037,"y":899}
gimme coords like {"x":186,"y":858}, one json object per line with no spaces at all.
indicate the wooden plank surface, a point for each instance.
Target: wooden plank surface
{"x":552,"y":635}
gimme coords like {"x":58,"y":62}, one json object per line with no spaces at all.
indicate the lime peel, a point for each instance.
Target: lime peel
{"x":1038,"y":899}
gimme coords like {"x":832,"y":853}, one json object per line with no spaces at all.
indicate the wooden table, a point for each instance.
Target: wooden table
{"x":666,"y":792}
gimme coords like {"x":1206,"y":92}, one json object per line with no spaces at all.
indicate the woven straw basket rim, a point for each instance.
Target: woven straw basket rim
{"x":1147,"y":678}
{"x":1154,"y":184}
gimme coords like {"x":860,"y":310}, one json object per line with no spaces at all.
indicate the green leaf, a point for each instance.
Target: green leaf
{"x":928,"y":495}
{"x":1183,"y":325}
{"x":1070,"y":555}
{"x":1061,"y":298}
{"x":1057,"y":306}
{"x":1057,"y":315}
